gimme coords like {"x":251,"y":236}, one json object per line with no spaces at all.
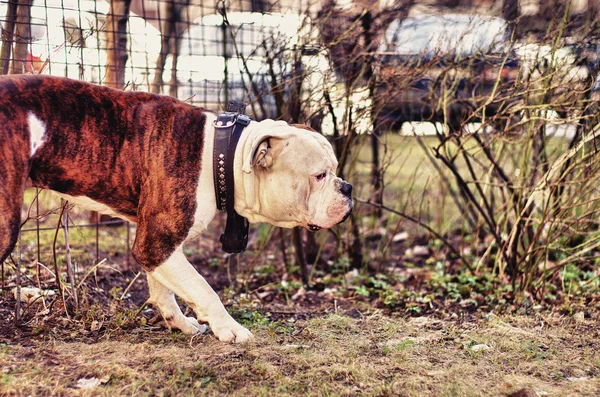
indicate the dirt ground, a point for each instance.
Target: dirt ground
{"x":329,"y":354}
{"x":417,"y":330}
{"x":307,"y":343}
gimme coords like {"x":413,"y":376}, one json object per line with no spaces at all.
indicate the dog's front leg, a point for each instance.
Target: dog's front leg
{"x":164,"y":300}
{"x":178,"y":275}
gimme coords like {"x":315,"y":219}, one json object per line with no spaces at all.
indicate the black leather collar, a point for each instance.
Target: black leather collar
{"x":228,"y":129}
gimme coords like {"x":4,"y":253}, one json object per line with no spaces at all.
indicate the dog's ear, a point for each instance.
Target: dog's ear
{"x":263,"y":143}
{"x":261,"y":150}
{"x":263,"y":156}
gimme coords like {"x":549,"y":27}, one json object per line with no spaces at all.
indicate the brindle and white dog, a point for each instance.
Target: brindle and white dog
{"x":148,"y":159}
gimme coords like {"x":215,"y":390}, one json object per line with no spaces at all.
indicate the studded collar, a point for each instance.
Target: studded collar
{"x":228,"y":129}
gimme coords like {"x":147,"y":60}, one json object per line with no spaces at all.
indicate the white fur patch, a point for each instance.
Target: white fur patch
{"x":37,"y":132}
{"x":89,"y":204}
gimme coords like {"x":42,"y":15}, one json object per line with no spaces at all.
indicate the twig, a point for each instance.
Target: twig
{"x":68,"y":253}
{"x":46,"y":267}
{"x":37,"y":226}
{"x":91,"y":270}
{"x":129,"y":286}
{"x":418,"y":222}
{"x":56,"y":229}
{"x":469,"y":214}
{"x":142,"y":307}
{"x":18,"y":294}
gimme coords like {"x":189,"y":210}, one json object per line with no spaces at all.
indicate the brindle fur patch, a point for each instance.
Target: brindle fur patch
{"x":138,"y":153}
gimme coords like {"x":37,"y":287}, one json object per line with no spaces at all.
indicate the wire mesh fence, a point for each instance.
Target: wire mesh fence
{"x":204,"y":53}
{"x":380,"y":69}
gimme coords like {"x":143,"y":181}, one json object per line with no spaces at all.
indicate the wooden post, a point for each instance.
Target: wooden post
{"x":22,"y":36}
{"x":8,"y":36}
{"x":116,"y":43}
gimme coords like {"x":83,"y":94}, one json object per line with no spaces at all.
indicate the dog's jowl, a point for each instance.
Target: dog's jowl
{"x":149,"y":159}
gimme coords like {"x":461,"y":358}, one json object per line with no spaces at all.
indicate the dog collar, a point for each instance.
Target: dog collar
{"x":228,"y":129}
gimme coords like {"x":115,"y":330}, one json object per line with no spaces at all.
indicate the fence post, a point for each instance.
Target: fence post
{"x":8,"y":36}
{"x":116,"y":43}
{"x":22,"y":37}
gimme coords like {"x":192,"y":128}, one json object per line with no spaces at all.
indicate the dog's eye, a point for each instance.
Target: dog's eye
{"x":321,"y":176}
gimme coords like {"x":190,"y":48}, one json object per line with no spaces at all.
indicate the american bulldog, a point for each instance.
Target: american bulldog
{"x":149,"y":159}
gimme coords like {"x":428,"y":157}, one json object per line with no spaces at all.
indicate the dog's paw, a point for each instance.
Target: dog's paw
{"x":231,"y":332}
{"x":187,"y":325}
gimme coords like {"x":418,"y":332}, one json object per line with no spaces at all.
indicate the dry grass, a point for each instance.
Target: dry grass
{"x":330,"y":355}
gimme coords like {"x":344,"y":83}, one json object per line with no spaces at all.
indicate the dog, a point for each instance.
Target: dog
{"x":149,"y":159}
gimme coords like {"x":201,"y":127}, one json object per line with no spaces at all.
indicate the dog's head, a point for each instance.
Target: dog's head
{"x":286,"y":176}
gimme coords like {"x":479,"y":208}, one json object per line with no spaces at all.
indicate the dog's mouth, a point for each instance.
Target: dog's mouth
{"x":346,"y":216}
{"x":314,"y":228}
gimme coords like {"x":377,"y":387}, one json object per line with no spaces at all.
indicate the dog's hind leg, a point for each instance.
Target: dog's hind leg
{"x":164,"y":299}
{"x":10,"y":217}
{"x":14,"y":156}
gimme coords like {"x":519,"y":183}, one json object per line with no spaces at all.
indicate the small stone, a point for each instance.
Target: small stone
{"x":398,"y":237}
{"x":480,"y":347}
{"x":32,"y":294}
{"x":95,"y":326}
{"x":577,"y":379}
{"x":90,"y":383}
{"x":579,"y":317}
{"x":351,"y":276}
{"x":420,"y":250}
{"x":300,"y":293}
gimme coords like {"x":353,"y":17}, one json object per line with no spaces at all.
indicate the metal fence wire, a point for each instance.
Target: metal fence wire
{"x":205,"y":53}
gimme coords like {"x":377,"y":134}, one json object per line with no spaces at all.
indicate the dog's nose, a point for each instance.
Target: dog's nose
{"x":346,"y":189}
